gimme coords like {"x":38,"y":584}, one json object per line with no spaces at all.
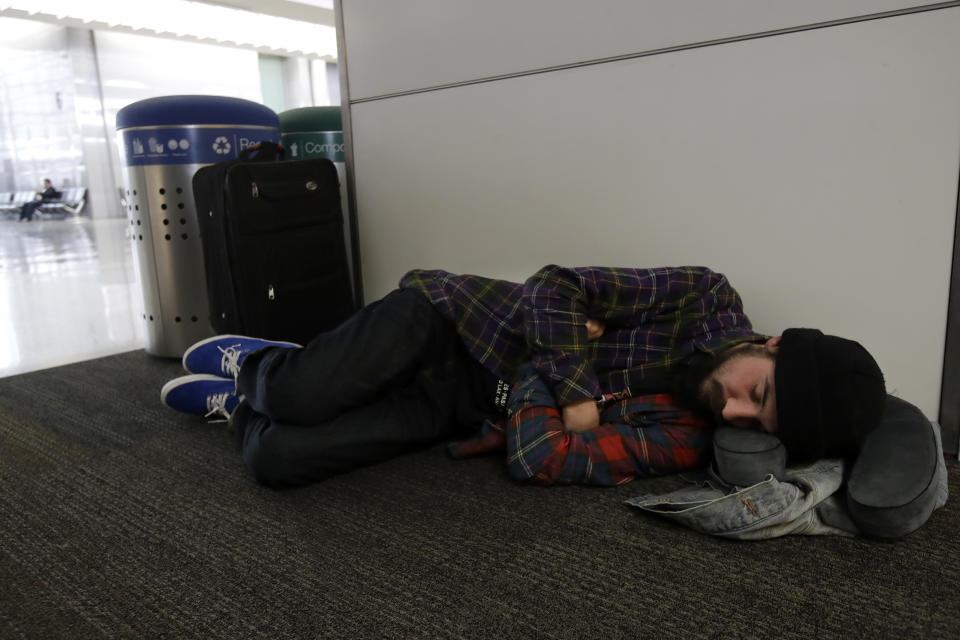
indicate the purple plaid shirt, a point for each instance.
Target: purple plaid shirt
{"x":655,"y":319}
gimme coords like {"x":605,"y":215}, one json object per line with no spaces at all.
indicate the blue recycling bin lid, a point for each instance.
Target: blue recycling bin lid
{"x":196,"y":110}
{"x":192,"y":130}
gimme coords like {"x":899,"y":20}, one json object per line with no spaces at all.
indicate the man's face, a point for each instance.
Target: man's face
{"x":741,"y":392}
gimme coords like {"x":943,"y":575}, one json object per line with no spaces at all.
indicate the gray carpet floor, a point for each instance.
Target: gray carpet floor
{"x":122,"y":519}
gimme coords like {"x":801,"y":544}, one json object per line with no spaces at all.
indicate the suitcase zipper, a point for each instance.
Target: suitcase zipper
{"x":279,"y":191}
{"x":310,"y":185}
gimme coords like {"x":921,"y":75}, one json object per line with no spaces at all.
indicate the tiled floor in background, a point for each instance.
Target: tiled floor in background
{"x":68,"y":292}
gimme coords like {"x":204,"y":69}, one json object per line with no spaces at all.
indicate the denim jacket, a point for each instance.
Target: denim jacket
{"x":807,"y":501}
{"x":804,"y":502}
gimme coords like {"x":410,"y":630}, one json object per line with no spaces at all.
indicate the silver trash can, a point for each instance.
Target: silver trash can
{"x":163,"y":142}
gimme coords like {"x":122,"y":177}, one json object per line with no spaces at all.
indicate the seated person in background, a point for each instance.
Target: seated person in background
{"x":47,"y":194}
{"x":581,"y":373}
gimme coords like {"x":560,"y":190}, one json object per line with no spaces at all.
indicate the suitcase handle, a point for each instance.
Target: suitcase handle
{"x":287,"y":190}
{"x":264,"y":151}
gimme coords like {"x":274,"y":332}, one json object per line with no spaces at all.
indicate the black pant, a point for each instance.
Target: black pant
{"x":393,"y":378}
{"x":28,"y":209}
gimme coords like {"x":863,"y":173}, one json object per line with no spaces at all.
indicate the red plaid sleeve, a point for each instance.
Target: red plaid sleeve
{"x":640,"y":436}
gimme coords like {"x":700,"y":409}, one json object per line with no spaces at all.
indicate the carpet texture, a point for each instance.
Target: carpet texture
{"x":122,"y":519}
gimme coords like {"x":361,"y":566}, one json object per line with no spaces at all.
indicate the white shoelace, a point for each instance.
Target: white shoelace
{"x":217,"y":404}
{"x":230,"y":362}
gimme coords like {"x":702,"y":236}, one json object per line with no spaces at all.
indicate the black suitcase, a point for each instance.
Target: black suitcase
{"x":273,"y":245}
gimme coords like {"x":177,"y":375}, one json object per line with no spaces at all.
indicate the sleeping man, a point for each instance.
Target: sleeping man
{"x":584,"y":375}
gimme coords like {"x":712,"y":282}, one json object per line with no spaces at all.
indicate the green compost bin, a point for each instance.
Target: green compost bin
{"x":313,"y":132}
{"x":317,"y":132}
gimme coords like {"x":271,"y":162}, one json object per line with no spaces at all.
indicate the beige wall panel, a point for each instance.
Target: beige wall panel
{"x":398,"y":46}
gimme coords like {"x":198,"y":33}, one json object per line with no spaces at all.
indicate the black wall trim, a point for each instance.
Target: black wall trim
{"x":950,"y":385}
{"x":348,"y":148}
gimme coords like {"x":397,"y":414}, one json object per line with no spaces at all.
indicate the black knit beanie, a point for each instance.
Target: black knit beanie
{"x":830,"y":394}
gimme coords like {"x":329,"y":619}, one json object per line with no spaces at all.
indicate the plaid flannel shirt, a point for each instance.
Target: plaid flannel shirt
{"x":638,"y":436}
{"x":642,"y":436}
{"x":655,"y":319}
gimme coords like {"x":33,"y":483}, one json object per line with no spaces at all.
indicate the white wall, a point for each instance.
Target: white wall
{"x":53,"y":77}
{"x":39,"y":134}
{"x":134,"y":67}
{"x":817,"y":169}
{"x":99,"y":155}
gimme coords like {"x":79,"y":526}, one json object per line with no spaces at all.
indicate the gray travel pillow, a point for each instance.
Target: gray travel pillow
{"x":892,"y":487}
{"x":745,"y":457}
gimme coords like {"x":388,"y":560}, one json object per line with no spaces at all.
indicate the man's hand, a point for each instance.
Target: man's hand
{"x":581,"y":416}
{"x":595,"y":329}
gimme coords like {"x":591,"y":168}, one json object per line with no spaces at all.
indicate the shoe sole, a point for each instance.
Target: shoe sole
{"x":225,"y":336}
{"x":177,"y":382}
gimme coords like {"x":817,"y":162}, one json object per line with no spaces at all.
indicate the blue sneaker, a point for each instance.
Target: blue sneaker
{"x":201,"y":394}
{"x":222,"y":355}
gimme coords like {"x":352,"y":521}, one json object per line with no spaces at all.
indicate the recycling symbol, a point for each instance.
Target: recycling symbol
{"x":221,"y":145}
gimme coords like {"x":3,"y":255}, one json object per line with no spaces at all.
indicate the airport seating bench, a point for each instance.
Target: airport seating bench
{"x":71,"y":202}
